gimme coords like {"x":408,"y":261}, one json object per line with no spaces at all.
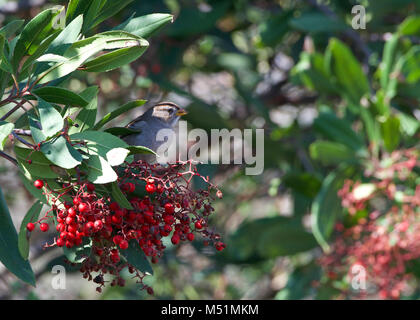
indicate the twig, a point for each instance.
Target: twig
{"x":23,"y":132}
{"x":6,"y":156}
{"x":11,"y":111}
{"x":23,"y":140}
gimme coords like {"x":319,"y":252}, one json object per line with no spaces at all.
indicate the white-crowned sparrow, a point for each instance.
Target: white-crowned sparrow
{"x":164,"y":115}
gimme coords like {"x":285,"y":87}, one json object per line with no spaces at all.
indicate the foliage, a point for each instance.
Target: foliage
{"x":232,"y":64}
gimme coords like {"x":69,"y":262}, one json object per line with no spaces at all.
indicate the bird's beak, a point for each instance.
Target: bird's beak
{"x":181,"y":112}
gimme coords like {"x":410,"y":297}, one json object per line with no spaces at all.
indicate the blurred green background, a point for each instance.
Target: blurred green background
{"x":250,"y":64}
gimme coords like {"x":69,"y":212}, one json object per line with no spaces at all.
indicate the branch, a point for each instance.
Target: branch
{"x":23,"y":140}
{"x":23,"y":132}
{"x":6,"y":156}
{"x":11,"y":111}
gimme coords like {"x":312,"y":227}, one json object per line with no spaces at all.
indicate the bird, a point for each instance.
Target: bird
{"x":164,"y":115}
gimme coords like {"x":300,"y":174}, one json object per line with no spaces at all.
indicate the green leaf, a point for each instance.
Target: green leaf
{"x":121,"y":131}
{"x":145,"y":26}
{"x":9,"y":29}
{"x":87,"y":116}
{"x":275,"y":28}
{"x":99,"y":170}
{"x":338,"y":130}
{"x":23,"y":238}
{"x":48,"y":122}
{"x":5,"y":129}
{"x":117,"y":58}
{"x":66,"y":37}
{"x":61,"y":153}
{"x":120,"y":197}
{"x":348,"y":71}
{"x":390,"y":130}
{"x":409,"y":124}
{"x":388,"y":60}
{"x":140,"y":150}
{"x":38,"y":53}
{"x":136,"y":257}
{"x":80,"y":253}
{"x":410,"y":26}
{"x":36,"y":31}
{"x":9,"y":251}
{"x":299,"y":283}
{"x":304,"y":183}
{"x":103,"y":144}
{"x":5,"y":64}
{"x":192,"y":21}
{"x":112,"y":115}
{"x":110,"y":9}
{"x":82,"y":50}
{"x":98,"y":142}
{"x":326,"y":209}
{"x":60,"y":96}
{"x":328,"y":152}
{"x":60,"y":44}
{"x":312,"y":72}
{"x":89,"y":15}
{"x":75,"y":8}
{"x":279,"y":236}
{"x":40,"y":166}
{"x":315,"y":22}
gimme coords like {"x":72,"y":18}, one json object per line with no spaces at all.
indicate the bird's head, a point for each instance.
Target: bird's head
{"x":167,"y":112}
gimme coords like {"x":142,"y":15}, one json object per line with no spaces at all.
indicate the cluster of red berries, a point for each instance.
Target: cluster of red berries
{"x":381,"y":231}
{"x":162,"y":203}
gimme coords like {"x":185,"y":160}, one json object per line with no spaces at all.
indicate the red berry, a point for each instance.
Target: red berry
{"x":30,"y":227}
{"x":72,"y":228}
{"x":190,"y":236}
{"x":175,"y":239}
{"x":149,"y":290}
{"x":38,"y":184}
{"x":83,"y":207}
{"x":89,"y":227}
{"x":169,"y":208}
{"x":220,"y":246}
{"x":198,"y":225}
{"x":76,"y":201}
{"x":44,"y":227}
{"x":150,"y":188}
{"x":128,"y":187}
{"x":117,"y":239}
{"x":60,"y":227}
{"x":123,"y":244}
{"x":156,"y":68}
{"x":60,"y":242}
{"x":98,"y":225}
{"x":90,"y":187}
{"x":114,"y":206}
{"x":115,"y":257}
{"x":69,"y":220}
{"x":72,"y":212}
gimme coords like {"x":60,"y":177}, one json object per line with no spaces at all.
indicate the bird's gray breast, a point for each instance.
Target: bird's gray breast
{"x":155,"y":135}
